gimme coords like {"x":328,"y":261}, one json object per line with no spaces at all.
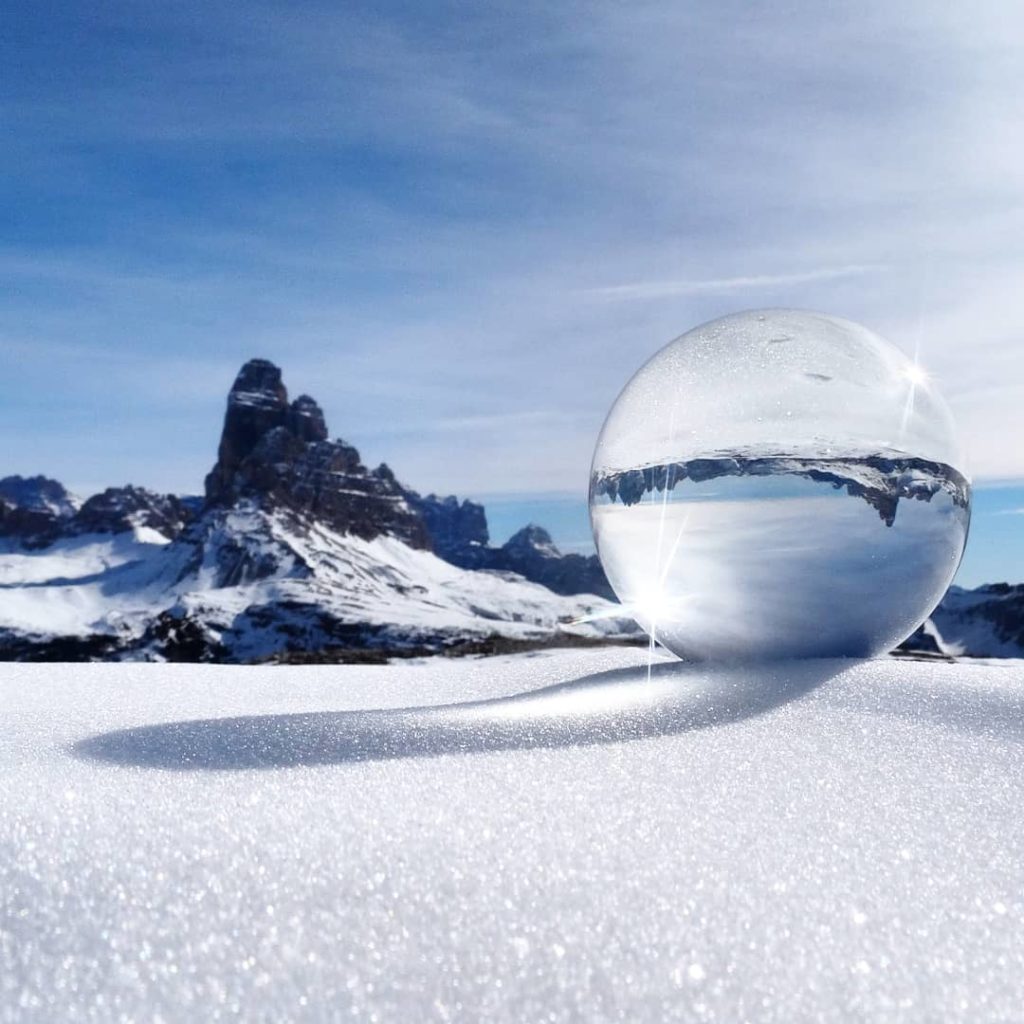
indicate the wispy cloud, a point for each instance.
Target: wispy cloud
{"x":753,"y":283}
{"x":502,"y":421}
{"x":477,"y":425}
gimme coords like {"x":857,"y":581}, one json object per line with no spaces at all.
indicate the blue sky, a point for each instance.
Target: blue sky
{"x":462,"y":226}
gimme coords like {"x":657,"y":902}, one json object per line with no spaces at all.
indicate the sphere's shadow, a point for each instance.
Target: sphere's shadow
{"x":608,"y":707}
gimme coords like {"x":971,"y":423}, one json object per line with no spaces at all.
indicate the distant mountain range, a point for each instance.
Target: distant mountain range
{"x":297,"y":548}
{"x":294,"y":548}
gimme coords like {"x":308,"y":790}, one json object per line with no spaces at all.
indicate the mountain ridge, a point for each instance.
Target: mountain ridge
{"x":295,"y":545}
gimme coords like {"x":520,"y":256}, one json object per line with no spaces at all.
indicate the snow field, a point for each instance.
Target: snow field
{"x":828,"y":842}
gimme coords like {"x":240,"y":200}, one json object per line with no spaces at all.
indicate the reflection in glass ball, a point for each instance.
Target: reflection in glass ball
{"x":779,"y":484}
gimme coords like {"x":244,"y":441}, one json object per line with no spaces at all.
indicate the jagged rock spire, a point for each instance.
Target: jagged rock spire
{"x":279,"y":455}
{"x":257,"y":403}
{"x":306,"y":419}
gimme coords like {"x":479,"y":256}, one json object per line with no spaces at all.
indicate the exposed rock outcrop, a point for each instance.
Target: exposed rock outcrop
{"x":119,"y":509}
{"x":34,"y":509}
{"x":457,"y":530}
{"x":38,"y":511}
{"x":458,"y":533}
{"x":532,"y":554}
{"x":278,"y":455}
{"x":257,"y":403}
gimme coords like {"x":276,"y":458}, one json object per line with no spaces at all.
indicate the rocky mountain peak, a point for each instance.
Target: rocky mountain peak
{"x":259,"y":385}
{"x":278,"y":455}
{"x":257,"y":403}
{"x":306,"y":419}
{"x":38,"y":511}
{"x":34,"y":508}
{"x":458,"y":530}
{"x":532,"y":553}
{"x":534,"y":538}
{"x":119,"y":509}
{"x":39,"y":494}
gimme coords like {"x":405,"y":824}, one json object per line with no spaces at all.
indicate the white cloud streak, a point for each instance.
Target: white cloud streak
{"x":751,"y":283}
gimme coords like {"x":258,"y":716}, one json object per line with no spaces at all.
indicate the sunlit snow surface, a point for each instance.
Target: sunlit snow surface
{"x":830,"y":842}
{"x":259,"y":582}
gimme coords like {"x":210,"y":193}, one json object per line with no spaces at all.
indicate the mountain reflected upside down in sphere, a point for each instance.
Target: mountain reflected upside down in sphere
{"x":821,"y":512}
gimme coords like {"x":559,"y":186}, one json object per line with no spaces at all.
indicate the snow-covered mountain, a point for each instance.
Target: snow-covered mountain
{"x":987,"y":622}
{"x":242,"y":583}
{"x":295,"y":547}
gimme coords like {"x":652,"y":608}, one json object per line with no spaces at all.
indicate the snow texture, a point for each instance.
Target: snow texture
{"x":831,"y":841}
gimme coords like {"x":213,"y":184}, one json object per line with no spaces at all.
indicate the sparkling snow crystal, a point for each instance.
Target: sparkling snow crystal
{"x":748,"y":845}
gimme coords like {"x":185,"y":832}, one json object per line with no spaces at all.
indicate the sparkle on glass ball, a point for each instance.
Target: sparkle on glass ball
{"x":779,"y":484}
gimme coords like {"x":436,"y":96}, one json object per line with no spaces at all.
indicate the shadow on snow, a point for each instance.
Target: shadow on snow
{"x":606,"y":707}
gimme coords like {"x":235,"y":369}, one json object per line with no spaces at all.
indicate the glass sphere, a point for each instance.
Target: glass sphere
{"x":779,"y":484}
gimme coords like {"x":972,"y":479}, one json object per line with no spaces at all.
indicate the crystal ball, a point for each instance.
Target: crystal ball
{"x":779,"y":484}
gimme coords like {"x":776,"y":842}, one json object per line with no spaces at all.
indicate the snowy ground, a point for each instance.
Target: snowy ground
{"x":826,"y":842}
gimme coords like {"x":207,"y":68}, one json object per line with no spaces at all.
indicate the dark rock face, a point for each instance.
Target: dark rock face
{"x":257,"y":403}
{"x":178,"y":638}
{"x":458,"y":531}
{"x":306,"y":420}
{"x":458,"y":534}
{"x":34,"y":509}
{"x":39,"y":511}
{"x":119,"y":509}
{"x":38,"y":494}
{"x":532,"y":554}
{"x":22,"y":647}
{"x":278,"y":455}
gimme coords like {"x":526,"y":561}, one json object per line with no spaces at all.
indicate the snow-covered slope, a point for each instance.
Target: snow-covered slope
{"x":243,"y":582}
{"x":295,"y":546}
{"x":746,"y":847}
{"x":984,"y":623}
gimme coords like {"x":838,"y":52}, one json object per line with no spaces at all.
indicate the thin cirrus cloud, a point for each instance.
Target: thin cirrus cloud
{"x":751,"y":283}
